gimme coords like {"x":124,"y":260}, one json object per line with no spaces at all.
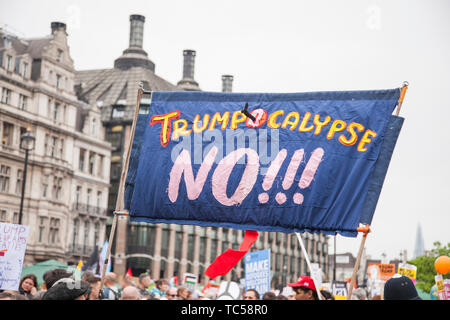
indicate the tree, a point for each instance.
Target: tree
{"x":425,"y":266}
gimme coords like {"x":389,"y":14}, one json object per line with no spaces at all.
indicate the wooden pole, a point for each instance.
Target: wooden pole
{"x":365,"y":230}
{"x":120,"y":196}
{"x":402,"y":97}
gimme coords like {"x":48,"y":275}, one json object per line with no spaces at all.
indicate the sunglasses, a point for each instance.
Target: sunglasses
{"x":171,"y":295}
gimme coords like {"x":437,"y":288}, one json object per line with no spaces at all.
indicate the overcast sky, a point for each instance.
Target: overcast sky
{"x":297,"y":46}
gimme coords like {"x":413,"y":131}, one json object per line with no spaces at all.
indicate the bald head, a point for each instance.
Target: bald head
{"x":130,"y":293}
{"x":110,"y":279}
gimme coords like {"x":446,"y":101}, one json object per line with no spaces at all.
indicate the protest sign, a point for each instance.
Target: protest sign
{"x":339,"y":290}
{"x":196,"y":159}
{"x":228,"y":290}
{"x":257,"y":271}
{"x":381,"y":271}
{"x":408,"y":270}
{"x":190,"y":281}
{"x":447,"y":288}
{"x":13,"y":243}
{"x":440,"y":287}
{"x":316,"y":275}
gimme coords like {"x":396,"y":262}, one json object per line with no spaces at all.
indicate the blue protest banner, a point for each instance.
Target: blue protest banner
{"x":304,"y":164}
{"x":257,"y":271}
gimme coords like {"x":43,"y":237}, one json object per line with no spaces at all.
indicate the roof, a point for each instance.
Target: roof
{"x":108,"y":84}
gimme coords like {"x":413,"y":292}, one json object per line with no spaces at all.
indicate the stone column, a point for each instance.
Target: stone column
{"x":157,"y":253}
{"x":184,"y":253}
{"x":196,"y":250}
{"x":171,"y":253}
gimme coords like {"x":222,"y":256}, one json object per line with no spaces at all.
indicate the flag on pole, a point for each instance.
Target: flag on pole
{"x":129,"y":273}
{"x":103,"y":257}
{"x":80,"y":265}
{"x":174,"y":281}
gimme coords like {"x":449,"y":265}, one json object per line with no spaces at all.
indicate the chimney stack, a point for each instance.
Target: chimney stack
{"x":188,"y":83}
{"x":134,"y":55}
{"x":55,"y":26}
{"x":227,"y":83}
{"x":136,"y":30}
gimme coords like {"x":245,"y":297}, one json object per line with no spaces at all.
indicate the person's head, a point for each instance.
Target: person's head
{"x":400,"y":288}
{"x":68,"y":289}
{"x":281,"y":297}
{"x":7,"y":295}
{"x":359,"y":294}
{"x":110,"y":279}
{"x":86,"y":274}
{"x":126,"y":281}
{"x":162,"y":284}
{"x":327,"y":295}
{"x":95,"y":283}
{"x":28,"y":282}
{"x":269,"y":295}
{"x":130,"y":293}
{"x":304,"y":289}
{"x":171,"y":294}
{"x":183,"y":293}
{"x":376,"y":297}
{"x":50,"y":277}
{"x":144,"y":280}
{"x":251,"y":294}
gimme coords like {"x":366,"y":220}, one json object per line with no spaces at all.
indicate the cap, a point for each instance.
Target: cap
{"x":400,"y":288}
{"x":304,"y":281}
{"x":67,"y":289}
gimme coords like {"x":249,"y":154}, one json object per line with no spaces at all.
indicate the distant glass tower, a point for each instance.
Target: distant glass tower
{"x":419,"y":249}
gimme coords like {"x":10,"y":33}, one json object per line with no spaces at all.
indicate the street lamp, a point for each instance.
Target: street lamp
{"x":27,"y":141}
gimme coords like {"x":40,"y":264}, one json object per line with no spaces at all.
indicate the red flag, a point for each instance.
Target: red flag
{"x":129,"y":272}
{"x":227,"y":260}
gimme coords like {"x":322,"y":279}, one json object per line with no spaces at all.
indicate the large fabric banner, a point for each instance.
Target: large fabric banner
{"x":301,"y":162}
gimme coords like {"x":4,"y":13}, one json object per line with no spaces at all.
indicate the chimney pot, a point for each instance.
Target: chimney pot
{"x":227,"y":83}
{"x":57,"y":26}
{"x":136,"y":30}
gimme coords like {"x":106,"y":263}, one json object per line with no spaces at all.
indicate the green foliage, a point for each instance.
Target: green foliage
{"x":425,"y":266}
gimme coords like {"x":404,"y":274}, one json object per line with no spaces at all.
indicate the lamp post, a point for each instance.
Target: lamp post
{"x":27,"y":141}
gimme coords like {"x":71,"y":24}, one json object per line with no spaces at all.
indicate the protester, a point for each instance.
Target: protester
{"x":110,"y":291}
{"x":327,"y":295}
{"x":52,"y":276}
{"x":68,"y":289}
{"x":251,"y":294}
{"x":400,"y":288}
{"x":126,"y":281}
{"x":86,"y":274}
{"x":359,"y":294}
{"x":304,"y":289}
{"x":28,"y":286}
{"x":144,"y":284}
{"x":9,"y":295}
{"x":184,"y":293}
{"x":160,"y":289}
{"x":376,"y":297}
{"x":130,"y":293}
{"x":281,"y":297}
{"x":171,"y":294}
{"x":95,"y":283}
{"x":269,"y":295}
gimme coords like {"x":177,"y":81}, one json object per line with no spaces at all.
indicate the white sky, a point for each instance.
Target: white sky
{"x":297,"y":46}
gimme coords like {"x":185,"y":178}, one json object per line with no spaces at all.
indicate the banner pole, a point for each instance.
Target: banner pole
{"x":365,"y":230}
{"x":120,"y":195}
{"x":402,"y":97}
{"x":307,"y":261}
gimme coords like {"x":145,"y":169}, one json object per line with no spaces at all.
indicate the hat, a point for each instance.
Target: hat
{"x":400,"y":288}
{"x":305,"y":282}
{"x":67,"y":289}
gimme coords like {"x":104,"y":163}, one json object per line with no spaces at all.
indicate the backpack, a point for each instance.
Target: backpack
{"x":106,"y":292}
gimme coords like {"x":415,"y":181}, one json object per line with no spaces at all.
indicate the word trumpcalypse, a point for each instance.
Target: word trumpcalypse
{"x":291,"y":121}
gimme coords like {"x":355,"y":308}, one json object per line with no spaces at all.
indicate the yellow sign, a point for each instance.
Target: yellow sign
{"x":407,"y":270}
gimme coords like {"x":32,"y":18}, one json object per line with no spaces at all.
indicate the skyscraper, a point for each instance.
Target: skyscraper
{"x":419,"y":249}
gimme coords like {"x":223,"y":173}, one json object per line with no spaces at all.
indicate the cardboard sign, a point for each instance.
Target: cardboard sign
{"x":381,"y":271}
{"x":447,"y":288}
{"x":190,"y":281}
{"x":408,"y":270}
{"x":257,"y":271}
{"x":316,"y":275}
{"x":13,"y":243}
{"x":440,"y":287}
{"x":339,"y":290}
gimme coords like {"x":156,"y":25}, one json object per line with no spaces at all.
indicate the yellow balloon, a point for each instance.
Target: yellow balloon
{"x":442,"y":264}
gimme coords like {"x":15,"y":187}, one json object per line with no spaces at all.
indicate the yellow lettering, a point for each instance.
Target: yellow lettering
{"x":365,"y":139}
{"x":288,"y":121}
{"x":354,"y":137}
{"x":179,"y":129}
{"x":204,"y":123}
{"x":319,"y":124}
{"x":166,"y":125}
{"x":302,"y":127}
{"x":272,"y":118}
{"x":221,"y":119}
{"x":237,"y":118}
{"x":337,"y":126}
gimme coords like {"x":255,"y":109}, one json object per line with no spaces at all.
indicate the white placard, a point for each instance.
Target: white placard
{"x":13,"y":243}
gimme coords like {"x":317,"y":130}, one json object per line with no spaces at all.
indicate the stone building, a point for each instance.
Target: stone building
{"x":166,"y":250}
{"x":67,"y":181}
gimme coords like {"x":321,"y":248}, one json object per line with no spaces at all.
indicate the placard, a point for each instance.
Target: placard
{"x":13,"y":243}
{"x":257,"y":271}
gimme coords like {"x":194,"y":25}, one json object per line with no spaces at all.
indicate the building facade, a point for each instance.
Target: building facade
{"x":37,"y":93}
{"x":166,"y":250}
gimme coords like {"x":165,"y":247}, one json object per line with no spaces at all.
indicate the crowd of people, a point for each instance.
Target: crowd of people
{"x":60,"y":284}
